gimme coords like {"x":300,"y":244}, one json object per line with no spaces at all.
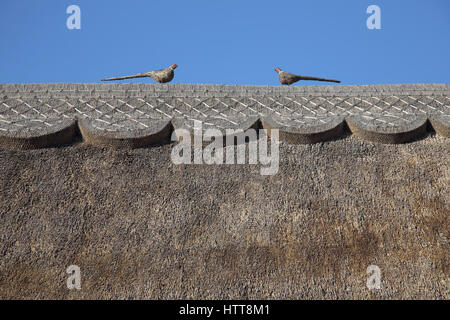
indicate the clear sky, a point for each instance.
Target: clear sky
{"x":226,"y":42}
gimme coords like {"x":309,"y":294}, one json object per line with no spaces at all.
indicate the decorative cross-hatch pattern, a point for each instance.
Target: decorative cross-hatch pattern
{"x":137,"y":111}
{"x":223,"y":107}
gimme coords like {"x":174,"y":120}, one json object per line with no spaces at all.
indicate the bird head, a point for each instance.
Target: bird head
{"x":174,"y":66}
{"x":277,"y":69}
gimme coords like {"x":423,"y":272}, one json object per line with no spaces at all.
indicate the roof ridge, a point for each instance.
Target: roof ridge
{"x":125,"y":89}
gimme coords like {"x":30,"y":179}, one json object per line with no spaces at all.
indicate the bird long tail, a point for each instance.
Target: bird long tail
{"x":318,"y":79}
{"x":139,"y":75}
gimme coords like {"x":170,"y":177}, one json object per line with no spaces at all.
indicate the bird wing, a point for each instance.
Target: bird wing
{"x":138,"y":75}
{"x":162,"y":76}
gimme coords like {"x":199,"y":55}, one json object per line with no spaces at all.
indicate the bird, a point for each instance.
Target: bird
{"x":290,"y":78}
{"x":162,"y":76}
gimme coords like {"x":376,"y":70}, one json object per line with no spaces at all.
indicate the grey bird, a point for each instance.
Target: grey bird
{"x":290,"y":78}
{"x":162,"y":76}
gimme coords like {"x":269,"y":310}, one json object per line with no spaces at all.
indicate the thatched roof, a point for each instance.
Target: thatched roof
{"x":140,"y":226}
{"x":140,"y":115}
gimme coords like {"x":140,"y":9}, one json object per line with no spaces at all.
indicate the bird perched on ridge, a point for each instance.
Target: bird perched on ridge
{"x":162,"y":76}
{"x":290,"y":78}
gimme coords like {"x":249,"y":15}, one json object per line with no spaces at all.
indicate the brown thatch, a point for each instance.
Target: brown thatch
{"x":139,"y":226}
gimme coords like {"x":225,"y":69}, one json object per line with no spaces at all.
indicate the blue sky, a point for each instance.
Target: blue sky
{"x":226,"y":42}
